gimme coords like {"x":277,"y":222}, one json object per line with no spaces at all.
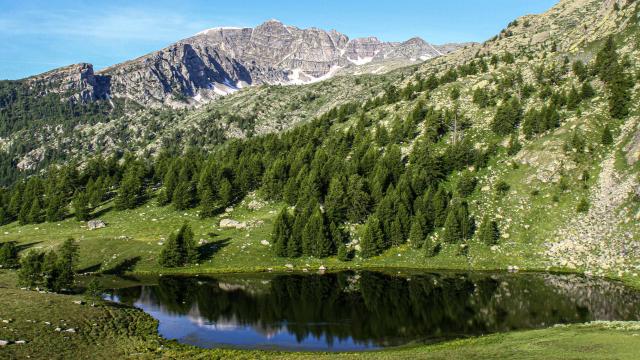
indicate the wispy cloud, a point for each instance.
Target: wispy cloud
{"x":129,"y":23}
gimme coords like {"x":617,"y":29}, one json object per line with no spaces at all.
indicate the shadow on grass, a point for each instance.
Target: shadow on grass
{"x":207,"y":251}
{"x":90,"y":269}
{"x":123,"y":266}
{"x":23,"y":247}
{"x":101,"y":212}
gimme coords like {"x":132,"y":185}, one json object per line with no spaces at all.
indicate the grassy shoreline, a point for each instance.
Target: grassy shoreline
{"x":109,"y":330}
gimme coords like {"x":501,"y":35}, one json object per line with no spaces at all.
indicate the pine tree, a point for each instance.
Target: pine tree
{"x":371,"y":237}
{"x":180,"y":249}
{"x":586,"y":91}
{"x":395,"y":233}
{"x":606,"y":138}
{"x":31,"y":268}
{"x":56,"y":207}
{"x":189,"y":246}
{"x":358,"y":199}
{"x":131,"y":191}
{"x":507,"y":117}
{"x":573,"y":99}
{"x":335,"y":202}
{"x":295,"y":245}
{"x":416,"y":235}
{"x":66,"y":261}
{"x":183,"y":195}
{"x":81,"y":206}
{"x":281,"y":233}
{"x":225,"y":191}
{"x":5,"y":218}
{"x":35,"y":212}
{"x":580,"y":70}
{"x":452,"y":231}
{"x":315,"y":240}
{"x":343,"y":252}
{"x":466,"y":184}
{"x":207,"y":204}
{"x":488,"y":232}
{"x":439,"y":206}
{"x":170,"y":255}
{"x":8,"y":254}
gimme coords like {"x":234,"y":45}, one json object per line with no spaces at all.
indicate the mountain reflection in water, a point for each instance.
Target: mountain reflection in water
{"x":368,"y":310}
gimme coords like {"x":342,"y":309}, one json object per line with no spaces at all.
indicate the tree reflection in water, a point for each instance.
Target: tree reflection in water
{"x":370,"y":309}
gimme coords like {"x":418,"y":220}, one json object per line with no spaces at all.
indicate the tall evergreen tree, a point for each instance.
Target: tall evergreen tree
{"x":452,"y":231}
{"x":180,"y":249}
{"x":488,"y":232}
{"x":335,"y":203}
{"x":281,"y":233}
{"x":416,"y":235}
{"x":315,"y":239}
{"x":81,"y":206}
{"x":35,"y":212}
{"x":371,"y":238}
{"x":131,"y":191}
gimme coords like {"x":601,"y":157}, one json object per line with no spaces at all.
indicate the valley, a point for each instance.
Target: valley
{"x":509,"y":167}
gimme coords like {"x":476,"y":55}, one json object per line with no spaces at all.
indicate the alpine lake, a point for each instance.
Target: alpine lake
{"x":367,"y":310}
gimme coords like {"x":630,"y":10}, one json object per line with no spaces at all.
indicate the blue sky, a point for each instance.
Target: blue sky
{"x":39,"y":35}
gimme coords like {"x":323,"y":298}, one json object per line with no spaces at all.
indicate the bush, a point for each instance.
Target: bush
{"x":502,"y":187}
{"x":8,"y":255}
{"x":583,"y":206}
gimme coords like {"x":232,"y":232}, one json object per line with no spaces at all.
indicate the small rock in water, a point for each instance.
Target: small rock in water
{"x":322,"y":268}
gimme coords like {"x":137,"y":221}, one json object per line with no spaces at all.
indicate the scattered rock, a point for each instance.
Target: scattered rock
{"x":288,"y":266}
{"x":233,"y":224}
{"x":21,"y":342}
{"x":4,"y":343}
{"x":96,"y":224}
{"x":255,"y":205}
{"x":70,"y":330}
{"x":264,"y":242}
{"x":78,"y":302}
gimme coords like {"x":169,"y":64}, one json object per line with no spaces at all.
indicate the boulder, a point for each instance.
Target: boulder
{"x":95,"y":224}
{"x":233,"y":224}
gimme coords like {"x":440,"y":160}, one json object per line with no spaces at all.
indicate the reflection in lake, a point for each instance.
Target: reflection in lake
{"x":368,"y":310}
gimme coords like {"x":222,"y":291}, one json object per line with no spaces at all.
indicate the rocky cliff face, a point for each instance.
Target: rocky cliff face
{"x":77,"y":82}
{"x":219,"y":61}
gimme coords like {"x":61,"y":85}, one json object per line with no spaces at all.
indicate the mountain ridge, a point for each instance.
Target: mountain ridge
{"x":222,"y":60}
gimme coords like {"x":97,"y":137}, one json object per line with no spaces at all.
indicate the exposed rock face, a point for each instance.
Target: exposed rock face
{"x":218,"y":61}
{"x":78,"y":81}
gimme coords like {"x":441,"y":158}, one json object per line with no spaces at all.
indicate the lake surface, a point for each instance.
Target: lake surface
{"x":354,"y":311}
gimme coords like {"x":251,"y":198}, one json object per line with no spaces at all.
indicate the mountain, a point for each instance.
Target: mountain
{"x":220,"y":61}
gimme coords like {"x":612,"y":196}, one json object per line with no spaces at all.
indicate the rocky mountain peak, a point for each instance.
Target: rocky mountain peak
{"x":221,"y":60}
